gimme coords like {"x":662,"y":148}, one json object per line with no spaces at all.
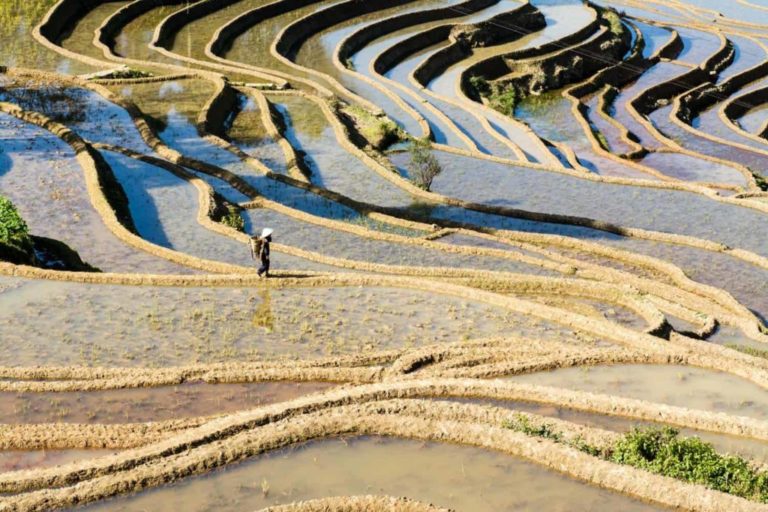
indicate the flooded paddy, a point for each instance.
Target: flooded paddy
{"x":339,"y":244}
{"x":39,"y":172}
{"x":528,"y":189}
{"x":18,"y":48}
{"x":147,"y":404}
{"x":81,"y":37}
{"x":463,"y":478}
{"x":743,"y":446}
{"x":331,"y":165}
{"x":347,"y":301}
{"x":682,"y":386}
{"x":99,"y":325}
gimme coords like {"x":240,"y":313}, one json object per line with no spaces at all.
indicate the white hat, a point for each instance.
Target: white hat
{"x":266,"y":232}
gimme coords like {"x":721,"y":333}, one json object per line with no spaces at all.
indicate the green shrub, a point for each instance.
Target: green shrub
{"x":661,"y":451}
{"x":233,"y":219}
{"x":480,"y":84}
{"x":423,"y":167}
{"x":123,"y":74}
{"x":503,"y":100}
{"x":13,"y":229}
{"x":614,"y":21}
{"x":762,"y":183}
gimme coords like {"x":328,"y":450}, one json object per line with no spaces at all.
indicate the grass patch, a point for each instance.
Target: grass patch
{"x":601,"y":139}
{"x":522,"y":423}
{"x":662,"y":451}
{"x":380,"y":132}
{"x":755,"y":352}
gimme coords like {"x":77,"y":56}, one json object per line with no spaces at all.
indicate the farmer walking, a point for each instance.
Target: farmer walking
{"x":260,"y":250}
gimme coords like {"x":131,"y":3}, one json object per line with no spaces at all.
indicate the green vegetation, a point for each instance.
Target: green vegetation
{"x":379,"y":131}
{"x":423,"y":167}
{"x":233,"y":218}
{"x":480,"y":84}
{"x":762,"y":182}
{"x":503,"y":100}
{"x":17,"y":18}
{"x":13,"y":230}
{"x":123,"y":74}
{"x":755,"y":352}
{"x":614,"y":21}
{"x":500,"y":98}
{"x":601,"y":139}
{"x":522,"y":423}
{"x":661,"y":451}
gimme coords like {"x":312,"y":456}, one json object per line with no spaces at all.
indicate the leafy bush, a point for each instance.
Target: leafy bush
{"x":123,"y":74}
{"x":614,"y":21}
{"x":423,"y":167}
{"x":661,"y":451}
{"x":762,"y":183}
{"x":504,"y":100}
{"x":233,"y":218}
{"x":480,"y":84}
{"x":13,"y":229}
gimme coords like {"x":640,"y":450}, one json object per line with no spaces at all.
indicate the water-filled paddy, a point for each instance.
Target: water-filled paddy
{"x":682,"y":386}
{"x":40,"y":174}
{"x":147,"y":404}
{"x":144,"y":326}
{"x":208,"y":343}
{"x":461,"y":477}
{"x":527,"y":189}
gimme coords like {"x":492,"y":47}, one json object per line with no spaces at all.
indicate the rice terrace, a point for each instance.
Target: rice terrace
{"x":383,"y":255}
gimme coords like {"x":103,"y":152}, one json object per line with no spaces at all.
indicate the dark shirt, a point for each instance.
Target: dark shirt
{"x":264,"y":251}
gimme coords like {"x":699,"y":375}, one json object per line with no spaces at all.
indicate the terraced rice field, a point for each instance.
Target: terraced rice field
{"x":516,"y":242}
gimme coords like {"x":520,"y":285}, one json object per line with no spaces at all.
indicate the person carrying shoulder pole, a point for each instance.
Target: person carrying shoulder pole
{"x":260,"y":250}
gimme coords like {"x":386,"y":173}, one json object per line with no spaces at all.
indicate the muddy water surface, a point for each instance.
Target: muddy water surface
{"x":463,"y":478}
{"x":148,"y":404}
{"x":681,"y":386}
{"x":96,"y":325}
{"x":723,"y":443}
